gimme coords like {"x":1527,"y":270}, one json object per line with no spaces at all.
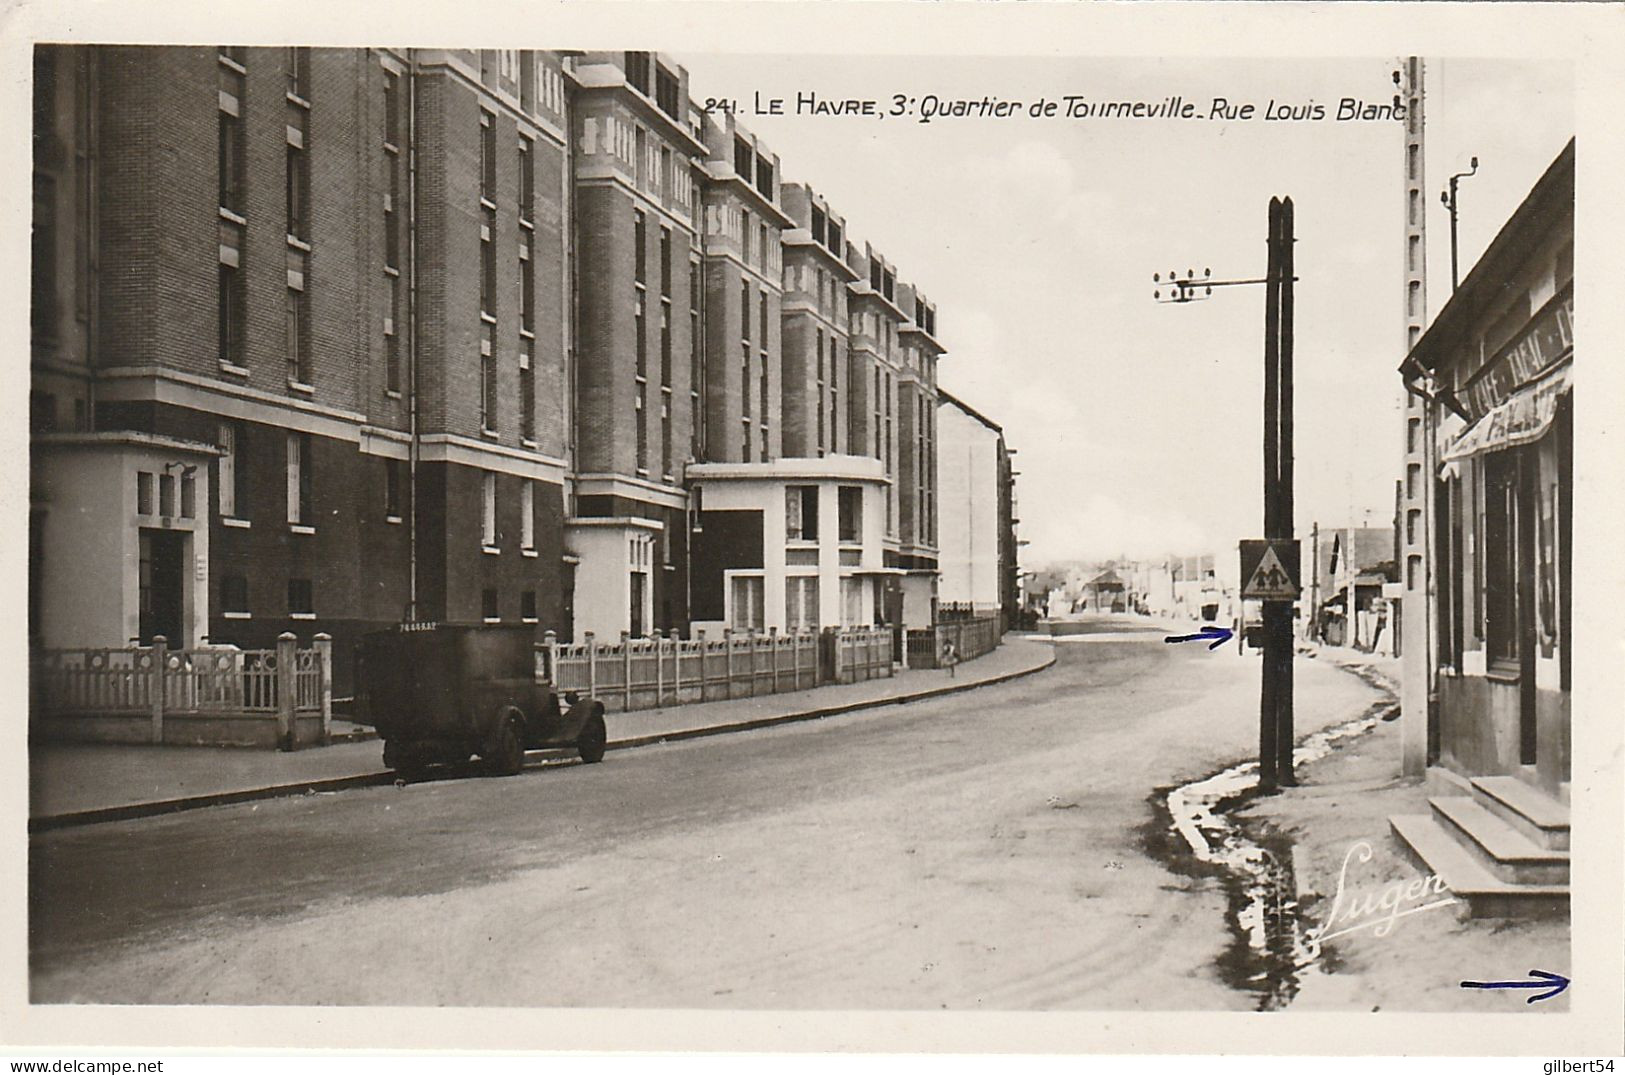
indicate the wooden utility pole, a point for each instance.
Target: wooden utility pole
{"x":1275,"y":717}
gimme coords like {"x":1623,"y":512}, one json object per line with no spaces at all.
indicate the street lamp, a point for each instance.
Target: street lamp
{"x":1449,"y":200}
{"x":1275,"y":736}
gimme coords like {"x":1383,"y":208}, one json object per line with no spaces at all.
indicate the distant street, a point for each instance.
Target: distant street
{"x":988,"y":850}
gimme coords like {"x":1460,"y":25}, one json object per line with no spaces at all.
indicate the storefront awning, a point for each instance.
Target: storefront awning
{"x":1523,"y":417}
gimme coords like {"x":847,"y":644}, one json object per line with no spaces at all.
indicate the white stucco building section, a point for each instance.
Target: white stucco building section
{"x":968,"y":508}
{"x":120,"y":522}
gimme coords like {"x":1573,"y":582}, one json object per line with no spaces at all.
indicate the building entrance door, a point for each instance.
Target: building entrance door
{"x":639,"y":583}
{"x":162,"y":586}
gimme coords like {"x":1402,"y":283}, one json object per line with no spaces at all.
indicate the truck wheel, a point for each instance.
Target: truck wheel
{"x":509,"y":756}
{"x":594,"y":737}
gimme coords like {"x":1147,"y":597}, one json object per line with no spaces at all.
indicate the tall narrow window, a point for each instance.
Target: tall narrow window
{"x":392,"y":345}
{"x":527,"y":180}
{"x":298,"y":64}
{"x":230,"y":148}
{"x":300,"y":466}
{"x":527,"y":286}
{"x":801,"y":512}
{"x":665,"y":434}
{"x":392,"y":490}
{"x":488,"y":156}
{"x":527,"y":514}
{"x":488,"y":262}
{"x":665,"y":263}
{"x":665,"y":343}
{"x":297,"y":321}
{"x":488,"y":510}
{"x":818,"y":401}
{"x":297,"y":177}
{"x":640,"y":336}
{"x":642,"y":416}
{"x":488,"y":393}
{"x":639,"y":247}
{"x":851,"y":514}
{"x":226,"y":470}
{"x":527,"y":393}
{"x":231,"y":314}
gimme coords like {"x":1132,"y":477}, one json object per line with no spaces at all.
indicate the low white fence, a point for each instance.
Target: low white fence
{"x":646,"y":673}
{"x":152,"y":684}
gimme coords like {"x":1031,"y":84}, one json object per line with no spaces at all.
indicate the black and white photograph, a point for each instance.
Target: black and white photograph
{"x":1030,"y":513}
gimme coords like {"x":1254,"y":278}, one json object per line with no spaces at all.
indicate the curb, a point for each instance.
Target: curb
{"x":387,"y":776}
{"x":824,"y":711}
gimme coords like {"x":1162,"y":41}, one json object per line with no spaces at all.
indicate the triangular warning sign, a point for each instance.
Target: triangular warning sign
{"x":1270,"y":579}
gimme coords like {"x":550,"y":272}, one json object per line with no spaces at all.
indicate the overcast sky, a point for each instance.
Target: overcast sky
{"x":1138,"y":425}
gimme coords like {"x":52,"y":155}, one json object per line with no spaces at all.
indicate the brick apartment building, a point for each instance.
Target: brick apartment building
{"x":325,"y":338}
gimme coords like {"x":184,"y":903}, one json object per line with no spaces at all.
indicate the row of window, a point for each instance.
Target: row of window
{"x":231,"y":157}
{"x":233,"y":496}
{"x":801,"y":513}
{"x":747,"y":603}
{"x":301,"y":600}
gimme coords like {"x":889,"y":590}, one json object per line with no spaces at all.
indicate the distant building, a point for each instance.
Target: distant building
{"x":976,"y":513}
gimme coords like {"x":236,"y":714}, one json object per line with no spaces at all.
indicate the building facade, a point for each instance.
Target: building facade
{"x":1496,"y":366}
{"x":976,"y":513}
{"x":325,"y":339}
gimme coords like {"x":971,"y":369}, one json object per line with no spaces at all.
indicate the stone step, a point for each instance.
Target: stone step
{"x":1433,"y":848}
{"x":1508,"y":853}
{"x":1528,"y":809}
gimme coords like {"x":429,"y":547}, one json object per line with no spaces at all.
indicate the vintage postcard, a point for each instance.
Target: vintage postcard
{"x":971,"y":528}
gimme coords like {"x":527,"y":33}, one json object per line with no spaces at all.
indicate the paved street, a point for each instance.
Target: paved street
{"x":988,"y":850}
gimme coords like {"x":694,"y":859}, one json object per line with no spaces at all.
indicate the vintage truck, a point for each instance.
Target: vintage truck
{"x":439,"y":693}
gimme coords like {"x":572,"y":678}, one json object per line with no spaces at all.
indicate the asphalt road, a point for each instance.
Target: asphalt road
{"x":989,"y":850}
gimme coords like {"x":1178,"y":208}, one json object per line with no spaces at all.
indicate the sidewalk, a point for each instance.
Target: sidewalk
{"x":1343,"y":803}
{"x":80,"y":783}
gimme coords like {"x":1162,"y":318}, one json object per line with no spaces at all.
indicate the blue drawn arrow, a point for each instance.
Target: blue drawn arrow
{"x":1218,"y":635}
{"x":1553,"y":983}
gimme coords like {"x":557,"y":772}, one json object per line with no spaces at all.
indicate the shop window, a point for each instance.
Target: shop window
{"x":1503,"y":553}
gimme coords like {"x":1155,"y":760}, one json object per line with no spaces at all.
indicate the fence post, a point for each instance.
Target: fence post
{"x":550,"y":641}
{"x":751,"y":648}
{"x":626,"y":671}
{"x":660,"y":680}
{"x":728,"y":649}
{"x":324,"y":663}
{"x":286,"y":654}
{"x":795,"y":662}
{"x":160,"y":658}
{"x":700,"y":635}
{"x":592,"y":664}
{"x":773,"y":655}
